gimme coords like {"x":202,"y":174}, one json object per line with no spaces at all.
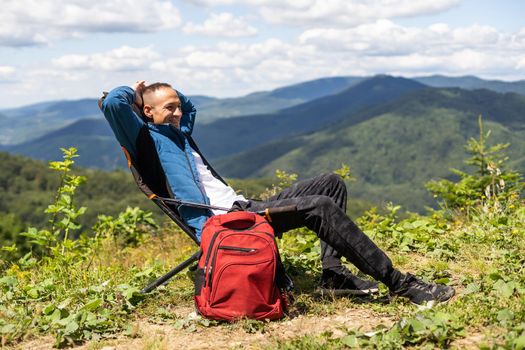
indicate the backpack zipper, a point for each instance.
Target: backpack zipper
{"x":208,"y":254}
{"x":238,"y":249}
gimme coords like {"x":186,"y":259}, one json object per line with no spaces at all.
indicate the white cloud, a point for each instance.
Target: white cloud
{"x":462,"y":62}
{"x":378,"y":47}
{"x":227,"y":68}
{"x":230,"y":55}
{"x":124,"y":58}
{"x":232,"y":67}
{"x":6,"y":71}
{"x":223,"y":24}
{"x":8,"y":75}
{"x":332,"y":12}
{"x":384,"y":37}
{"x":521,"y":64}
{"x":209,"y":3}
{"x":33,"y":22}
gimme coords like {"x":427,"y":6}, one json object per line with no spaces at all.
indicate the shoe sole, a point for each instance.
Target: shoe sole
{"x":431,"y":303}
{"x":346,"y":292}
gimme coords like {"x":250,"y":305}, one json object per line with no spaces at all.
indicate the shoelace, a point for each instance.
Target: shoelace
{"x":414,"y":282}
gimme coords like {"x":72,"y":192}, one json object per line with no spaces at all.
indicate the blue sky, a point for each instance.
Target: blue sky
{"x":72,"y":49}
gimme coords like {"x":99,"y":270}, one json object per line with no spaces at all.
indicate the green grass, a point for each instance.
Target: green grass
{"x":96,"y":297}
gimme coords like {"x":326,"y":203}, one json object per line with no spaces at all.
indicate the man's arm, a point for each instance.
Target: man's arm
{"x":189,"y":113}
{"x":125,"y":123}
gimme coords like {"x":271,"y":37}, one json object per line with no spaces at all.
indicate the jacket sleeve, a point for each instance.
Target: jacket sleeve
{"x":189,"y":113}
{"x":124,"y":122}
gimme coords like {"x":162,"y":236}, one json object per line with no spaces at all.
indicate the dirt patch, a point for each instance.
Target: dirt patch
{"x":41,"y":343}
{"x":470,"y":342}
{"x":150,"y":335}
{"x":237,"y":336}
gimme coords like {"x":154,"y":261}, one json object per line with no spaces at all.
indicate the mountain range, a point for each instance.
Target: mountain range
{"x":227,"y":137}
{"x":395,"y":148}
{"x":395,"y":133}
{"x":48,"y":116}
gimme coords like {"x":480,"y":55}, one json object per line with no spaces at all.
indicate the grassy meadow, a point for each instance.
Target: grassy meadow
{"x":85,"y":292}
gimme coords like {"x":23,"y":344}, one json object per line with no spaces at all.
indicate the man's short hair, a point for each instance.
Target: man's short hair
{"x":154,"y":87}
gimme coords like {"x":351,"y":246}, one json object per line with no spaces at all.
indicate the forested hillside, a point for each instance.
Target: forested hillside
{"x":28,"y":186}
{"x":271,"y":101}
{"x":92,"y":137}
{"x":229,"y":137}
{"x":395,"y":148}
{"x":21,"y":124}
{"x":473,"y":83}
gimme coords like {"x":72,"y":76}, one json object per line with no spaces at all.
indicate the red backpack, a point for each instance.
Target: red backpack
{"x":240,"y":273}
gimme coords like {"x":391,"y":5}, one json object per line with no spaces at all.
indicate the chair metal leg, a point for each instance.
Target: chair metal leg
{"x":172,"y":273}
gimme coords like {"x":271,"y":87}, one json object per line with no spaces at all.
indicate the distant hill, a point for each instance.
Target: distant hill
{"x":229,"y":136}
{"x":95,"y":141}
{"x":92,"y":137}
{"x":471,"y":83}
{"x":21,"y":124}
{"x":18,"y":125}
{"x":393,"y":149}
{"x":274,"y":100}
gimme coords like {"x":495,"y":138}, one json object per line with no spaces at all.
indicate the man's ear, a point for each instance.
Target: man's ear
{"x":147,"y":112}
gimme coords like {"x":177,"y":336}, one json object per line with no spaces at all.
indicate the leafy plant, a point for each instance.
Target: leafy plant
{"x":433,"y":328}
{"x":345,"y":173}
{"x":285,"y":180}
{"x":414,"y":234}
{"x":490,"y":187}
{"x":57,"y":293}
{"x":130,"y":227}
{"x":63,"y":212}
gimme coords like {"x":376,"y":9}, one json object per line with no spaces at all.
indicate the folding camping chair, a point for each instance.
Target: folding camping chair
{"x":154,"y":185}
{"x":167,"y":205}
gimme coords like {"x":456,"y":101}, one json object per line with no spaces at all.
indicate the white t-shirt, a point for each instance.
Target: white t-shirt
{"x":220,"y":195}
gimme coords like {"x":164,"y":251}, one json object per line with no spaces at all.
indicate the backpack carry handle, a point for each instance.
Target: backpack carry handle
{"x":237,"y":219}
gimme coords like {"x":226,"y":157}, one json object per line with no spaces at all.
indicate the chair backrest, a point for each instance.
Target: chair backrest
{"x":157,"y":179}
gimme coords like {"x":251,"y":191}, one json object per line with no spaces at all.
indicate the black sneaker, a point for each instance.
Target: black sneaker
{"x":343,"y":282}
{"x":421,"y":293}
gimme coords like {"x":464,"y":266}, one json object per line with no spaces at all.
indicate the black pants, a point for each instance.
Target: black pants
{"x":321,"y":207}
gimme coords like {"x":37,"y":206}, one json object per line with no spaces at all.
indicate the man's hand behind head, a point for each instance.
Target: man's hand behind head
{"x":138,"y":87}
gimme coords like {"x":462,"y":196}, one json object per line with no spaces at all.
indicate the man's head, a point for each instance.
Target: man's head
{"x":162,"y":104}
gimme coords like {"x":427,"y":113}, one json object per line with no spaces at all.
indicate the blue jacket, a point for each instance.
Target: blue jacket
{"x":170,"y":146}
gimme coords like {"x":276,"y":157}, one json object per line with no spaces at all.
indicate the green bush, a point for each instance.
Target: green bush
{"x":490,"y":188}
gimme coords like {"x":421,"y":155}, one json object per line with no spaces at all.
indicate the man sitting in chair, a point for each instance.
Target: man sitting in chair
{"x":161,"y":134}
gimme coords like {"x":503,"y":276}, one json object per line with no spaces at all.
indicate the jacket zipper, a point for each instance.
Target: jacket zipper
{"x":196,"y":148}
{"x":193,"y":174}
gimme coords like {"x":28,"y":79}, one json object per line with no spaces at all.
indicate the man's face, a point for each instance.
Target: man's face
{"x":163,"y":106}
